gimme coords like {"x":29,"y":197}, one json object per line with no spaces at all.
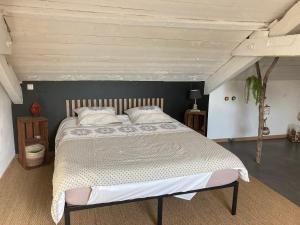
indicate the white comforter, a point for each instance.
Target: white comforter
{"x":126,"y":154}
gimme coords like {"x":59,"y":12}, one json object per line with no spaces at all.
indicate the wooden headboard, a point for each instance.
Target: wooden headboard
{"x":120,"y":104}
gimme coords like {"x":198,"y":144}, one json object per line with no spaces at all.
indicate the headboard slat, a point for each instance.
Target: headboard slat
{"x":68,"y":108}
{"x":73,"y":107}
{"x":120,"y":104}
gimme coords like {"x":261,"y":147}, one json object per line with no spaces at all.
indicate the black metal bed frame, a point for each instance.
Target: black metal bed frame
{"x":235,"y":185}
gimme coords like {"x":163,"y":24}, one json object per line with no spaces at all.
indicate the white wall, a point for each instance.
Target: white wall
{"x":7,"y":146}
{"x":233,"y":119}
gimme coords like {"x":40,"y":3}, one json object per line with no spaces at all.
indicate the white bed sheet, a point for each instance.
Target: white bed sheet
{"x":145,"y":189}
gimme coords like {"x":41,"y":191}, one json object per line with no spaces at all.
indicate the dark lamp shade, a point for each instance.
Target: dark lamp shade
{"x":195,"y":94}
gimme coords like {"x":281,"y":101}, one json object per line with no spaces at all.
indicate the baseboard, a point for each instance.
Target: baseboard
{"x":254,"y":138}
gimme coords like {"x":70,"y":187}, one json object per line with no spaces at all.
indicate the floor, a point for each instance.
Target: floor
{"x":25,"y":199}
{"x":280,"y":166}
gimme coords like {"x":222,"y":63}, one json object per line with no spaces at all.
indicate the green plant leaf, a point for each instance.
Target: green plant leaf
{"x":254,"y":85}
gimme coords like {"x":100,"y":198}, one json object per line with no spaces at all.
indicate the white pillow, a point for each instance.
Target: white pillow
{"x":148,"y":114}
{"x":151,"y":118}
{"x":98,"y":119}
{"x":93,"y":110}
{"x":141,"y":110}
{"x":96,"y":115}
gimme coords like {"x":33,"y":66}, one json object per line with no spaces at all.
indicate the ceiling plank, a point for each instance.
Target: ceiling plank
{"x":40,"y":59}
{"x":30,"y":26}
{"x":288,"y":23}
{"x":226,"y":10}
{"x":10,"y":82}
{"x":5,"y":39}
{"x":288,"y":45}
{"x":23,"y":39}
{"x":117,"y":75}
{"x":133,"y":19}
{"x":110,"y":51}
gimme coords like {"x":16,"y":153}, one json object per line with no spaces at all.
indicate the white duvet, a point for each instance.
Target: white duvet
{"x":107,"y":156}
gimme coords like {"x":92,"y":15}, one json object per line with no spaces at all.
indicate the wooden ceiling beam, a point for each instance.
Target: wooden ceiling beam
{"x":8,"y":78}
{"x":251,"y":50}
{"x":232,"y":68}
{"x":288,"y":23}
{"x":288,"y":45}
{"x":10,"y":82}
{"x":5,"y":39}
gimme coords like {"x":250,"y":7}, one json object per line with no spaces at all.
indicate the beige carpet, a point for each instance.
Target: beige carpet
{"x":25,"y":198}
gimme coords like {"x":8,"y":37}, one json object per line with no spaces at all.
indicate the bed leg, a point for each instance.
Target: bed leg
{"x":67,"y":215}
{"x":159,"y":211}
{"x":235,"y":197}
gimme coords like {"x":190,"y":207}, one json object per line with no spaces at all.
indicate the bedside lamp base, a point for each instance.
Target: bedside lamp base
{"x":195,"y":107}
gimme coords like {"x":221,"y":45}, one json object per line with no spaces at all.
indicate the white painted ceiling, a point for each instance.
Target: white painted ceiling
{"x":176,"y":40}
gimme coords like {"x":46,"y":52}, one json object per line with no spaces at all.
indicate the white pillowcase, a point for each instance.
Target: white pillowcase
{"x":148,"y":114}
{"x":92,"y":110}
{"x":96,"y":116}
{"x":98,"y":119}
{"x":141,"y":110}
{"x":152,"y":118}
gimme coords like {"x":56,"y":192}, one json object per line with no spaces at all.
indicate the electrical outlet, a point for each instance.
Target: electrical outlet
{"x":30,"y":87}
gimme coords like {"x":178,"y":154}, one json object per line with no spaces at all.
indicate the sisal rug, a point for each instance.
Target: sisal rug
{"x":25,"y":199}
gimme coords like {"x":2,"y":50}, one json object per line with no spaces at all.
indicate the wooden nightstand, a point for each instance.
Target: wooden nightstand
{"x":196,"y":120}
{"x":32,"y":130}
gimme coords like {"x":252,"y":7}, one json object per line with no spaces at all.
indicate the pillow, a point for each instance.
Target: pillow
{"x":148,"y":114}
{"x":96,"y":115}
{"x":93,"y":110}
{"x":98,"y":119}
{"x":151,"y":118}
{"x":141,"y":110}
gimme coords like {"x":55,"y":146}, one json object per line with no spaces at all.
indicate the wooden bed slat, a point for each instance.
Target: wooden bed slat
{"x":116,"y":104}
{"x":68,"y":108}
{"x":134,"y":102}
{"x":78,"y":103}
{"x":125,"y":104}
{"x":73,"y":107}
{"x":153,"y":101}
{"x":120,"y":104}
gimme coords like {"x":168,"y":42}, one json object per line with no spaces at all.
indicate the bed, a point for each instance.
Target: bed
{"x":97,"y":166}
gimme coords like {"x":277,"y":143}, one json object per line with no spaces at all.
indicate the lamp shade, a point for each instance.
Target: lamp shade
{"x":195,"y":94}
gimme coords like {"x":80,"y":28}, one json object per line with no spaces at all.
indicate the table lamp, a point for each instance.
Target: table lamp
{"x":195,"y":94}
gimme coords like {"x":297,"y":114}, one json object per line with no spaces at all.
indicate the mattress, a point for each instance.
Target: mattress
{"x":93,"y":195}
{"x":99,"y":164}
